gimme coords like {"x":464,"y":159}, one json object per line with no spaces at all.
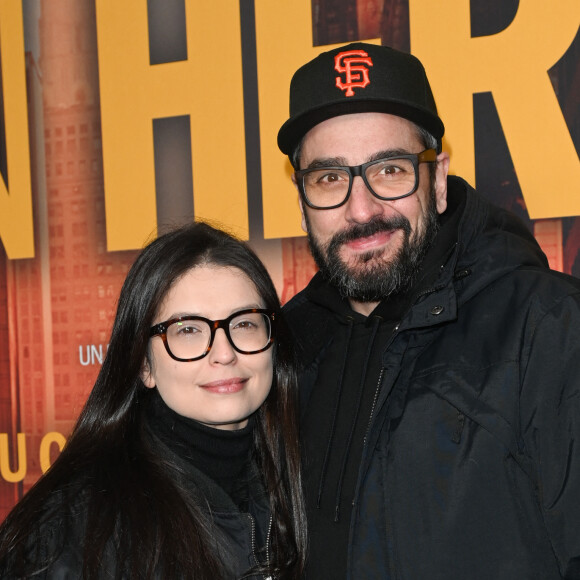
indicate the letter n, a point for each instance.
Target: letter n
{"x":16,"y":223}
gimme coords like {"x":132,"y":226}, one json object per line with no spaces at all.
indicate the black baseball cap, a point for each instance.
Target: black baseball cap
{"x":359,"y":78}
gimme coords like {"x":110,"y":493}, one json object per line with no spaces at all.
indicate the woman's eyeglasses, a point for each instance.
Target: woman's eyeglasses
{"x":190,"y":338}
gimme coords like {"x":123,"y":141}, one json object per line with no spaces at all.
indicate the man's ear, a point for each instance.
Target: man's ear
{"x":146,"y":374}
{"x":304,"y":228}
{"x":441,"y":173}
{"x":294,"y":180}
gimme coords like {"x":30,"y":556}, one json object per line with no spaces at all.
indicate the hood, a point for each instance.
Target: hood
{"x":491,"y":241}
{"x":477,"y":241}
{"x":487,"y":242}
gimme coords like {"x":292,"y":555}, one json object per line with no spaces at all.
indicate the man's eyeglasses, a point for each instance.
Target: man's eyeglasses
{"x":388,"y":179}
{"x":190,"y":338}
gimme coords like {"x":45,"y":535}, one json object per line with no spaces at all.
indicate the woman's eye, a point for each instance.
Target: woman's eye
{"x":185,"y":329}
{"x":244,"y":325}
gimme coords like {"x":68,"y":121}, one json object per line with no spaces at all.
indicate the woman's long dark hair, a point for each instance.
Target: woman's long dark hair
{"x":131,"y":494}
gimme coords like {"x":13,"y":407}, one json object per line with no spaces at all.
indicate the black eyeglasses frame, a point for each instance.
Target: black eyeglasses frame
{"x":426,"y":156}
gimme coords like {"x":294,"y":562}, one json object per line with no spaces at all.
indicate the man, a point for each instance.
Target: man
{"x":441,"y":356}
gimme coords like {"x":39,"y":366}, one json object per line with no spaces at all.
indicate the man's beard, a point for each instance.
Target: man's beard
{"x":371,"y":278}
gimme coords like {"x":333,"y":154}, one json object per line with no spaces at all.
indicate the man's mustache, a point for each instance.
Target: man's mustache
{"x":369,"y":229}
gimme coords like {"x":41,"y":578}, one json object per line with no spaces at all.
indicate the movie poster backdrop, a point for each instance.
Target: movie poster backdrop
{"x":119,"y":119}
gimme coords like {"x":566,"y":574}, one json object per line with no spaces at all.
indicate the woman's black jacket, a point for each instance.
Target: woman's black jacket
{"x":241,"y":538}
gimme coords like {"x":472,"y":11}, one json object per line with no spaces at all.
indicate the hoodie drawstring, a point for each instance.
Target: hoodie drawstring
{"x":334,"y":415}
{"x":376,"y":323}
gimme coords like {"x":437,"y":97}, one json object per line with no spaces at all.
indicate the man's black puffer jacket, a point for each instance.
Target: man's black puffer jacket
{"x":471,"y":467}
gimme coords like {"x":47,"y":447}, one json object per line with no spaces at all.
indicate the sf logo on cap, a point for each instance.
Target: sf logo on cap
{"x":352,"y":63}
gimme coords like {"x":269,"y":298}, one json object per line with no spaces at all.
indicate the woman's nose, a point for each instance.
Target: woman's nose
{"x":222,"y":352}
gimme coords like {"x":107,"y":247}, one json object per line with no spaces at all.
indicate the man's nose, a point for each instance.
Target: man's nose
{"x":362,"y":206}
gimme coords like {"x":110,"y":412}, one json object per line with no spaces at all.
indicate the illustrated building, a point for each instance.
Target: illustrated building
{"x":54,"y":329}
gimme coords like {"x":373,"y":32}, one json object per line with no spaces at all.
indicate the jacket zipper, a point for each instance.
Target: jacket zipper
{"x":253,"y":537}
{"x":253,"y":541}
{"x":354,"y":501}
{"x":375,"y":398}
{"x":268,"y":544}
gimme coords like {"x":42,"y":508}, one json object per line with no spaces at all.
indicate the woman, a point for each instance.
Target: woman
{"x":184,"y":461}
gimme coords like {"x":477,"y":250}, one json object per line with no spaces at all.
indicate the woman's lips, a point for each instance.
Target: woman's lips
{"x":225,"y":386}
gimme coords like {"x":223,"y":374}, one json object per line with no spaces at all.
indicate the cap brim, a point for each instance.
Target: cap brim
{"x":294,"y":129}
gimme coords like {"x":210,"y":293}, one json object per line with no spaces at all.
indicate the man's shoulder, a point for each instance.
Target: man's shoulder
{"x":298,"y":303}
{"x":302,"y":302}
{"x":309,"y":321}
{"x":550,"y":286}
{"x":301,"y":311}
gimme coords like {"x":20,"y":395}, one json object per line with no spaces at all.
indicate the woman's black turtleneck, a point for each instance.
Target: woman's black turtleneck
{"x":220,"y":454}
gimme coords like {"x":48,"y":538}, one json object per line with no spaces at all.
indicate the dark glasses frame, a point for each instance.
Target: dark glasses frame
{"x":161,"y":328}
{"x":427,"y":156}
